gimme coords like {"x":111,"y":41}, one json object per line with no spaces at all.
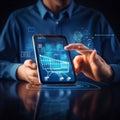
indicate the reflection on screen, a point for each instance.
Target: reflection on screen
{"x":54,"y":61}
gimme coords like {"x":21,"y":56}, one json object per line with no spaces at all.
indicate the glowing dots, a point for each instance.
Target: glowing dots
{"x":77,"y":36}
{"x":83,"y":36}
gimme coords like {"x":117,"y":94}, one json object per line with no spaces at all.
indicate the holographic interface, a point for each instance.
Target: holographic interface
{"x":53,"y":60}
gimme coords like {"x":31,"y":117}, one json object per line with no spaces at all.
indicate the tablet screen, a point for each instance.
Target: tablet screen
{"x":53,"y":61}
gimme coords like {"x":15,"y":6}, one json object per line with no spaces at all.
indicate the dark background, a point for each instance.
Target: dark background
{"x":110,"y":9}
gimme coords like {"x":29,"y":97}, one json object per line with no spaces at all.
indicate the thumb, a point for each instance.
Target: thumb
{"x":30,"y":64}
{"x":77,"y":64}
{"x":96,"y":58}
{"x":93,"y":59}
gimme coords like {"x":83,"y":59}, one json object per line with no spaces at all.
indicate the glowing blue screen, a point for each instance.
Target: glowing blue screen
{"x":54,"y":62}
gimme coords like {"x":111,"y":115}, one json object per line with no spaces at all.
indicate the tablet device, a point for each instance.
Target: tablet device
{"x":53,"y":61}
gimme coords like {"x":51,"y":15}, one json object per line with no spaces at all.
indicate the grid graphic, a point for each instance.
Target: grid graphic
{"x":59,"y":67}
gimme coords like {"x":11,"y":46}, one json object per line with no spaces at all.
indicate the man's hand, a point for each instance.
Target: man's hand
{"x":28,"y":72}
{"x":90,"y":63}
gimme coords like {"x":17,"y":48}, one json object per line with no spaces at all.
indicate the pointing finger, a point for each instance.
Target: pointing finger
{"x":80,"y":48}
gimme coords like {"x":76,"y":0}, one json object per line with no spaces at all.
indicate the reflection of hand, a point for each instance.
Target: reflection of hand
{"x":93,"y":104}
{"x":28,"y":72}
{"x":90,"y":63}
{"x":28,"y":94}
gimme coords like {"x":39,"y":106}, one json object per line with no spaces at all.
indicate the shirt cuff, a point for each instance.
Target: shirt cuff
{"x":13,"y":71}
{"x":116,"y":73}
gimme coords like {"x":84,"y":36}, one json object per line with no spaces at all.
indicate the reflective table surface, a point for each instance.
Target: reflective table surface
{"x":83,"y":101}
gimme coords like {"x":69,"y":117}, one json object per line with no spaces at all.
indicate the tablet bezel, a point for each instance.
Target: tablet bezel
{"x":34,"y":38}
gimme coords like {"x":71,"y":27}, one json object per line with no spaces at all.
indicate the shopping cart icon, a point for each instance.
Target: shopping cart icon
{"x":59,"y":67}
